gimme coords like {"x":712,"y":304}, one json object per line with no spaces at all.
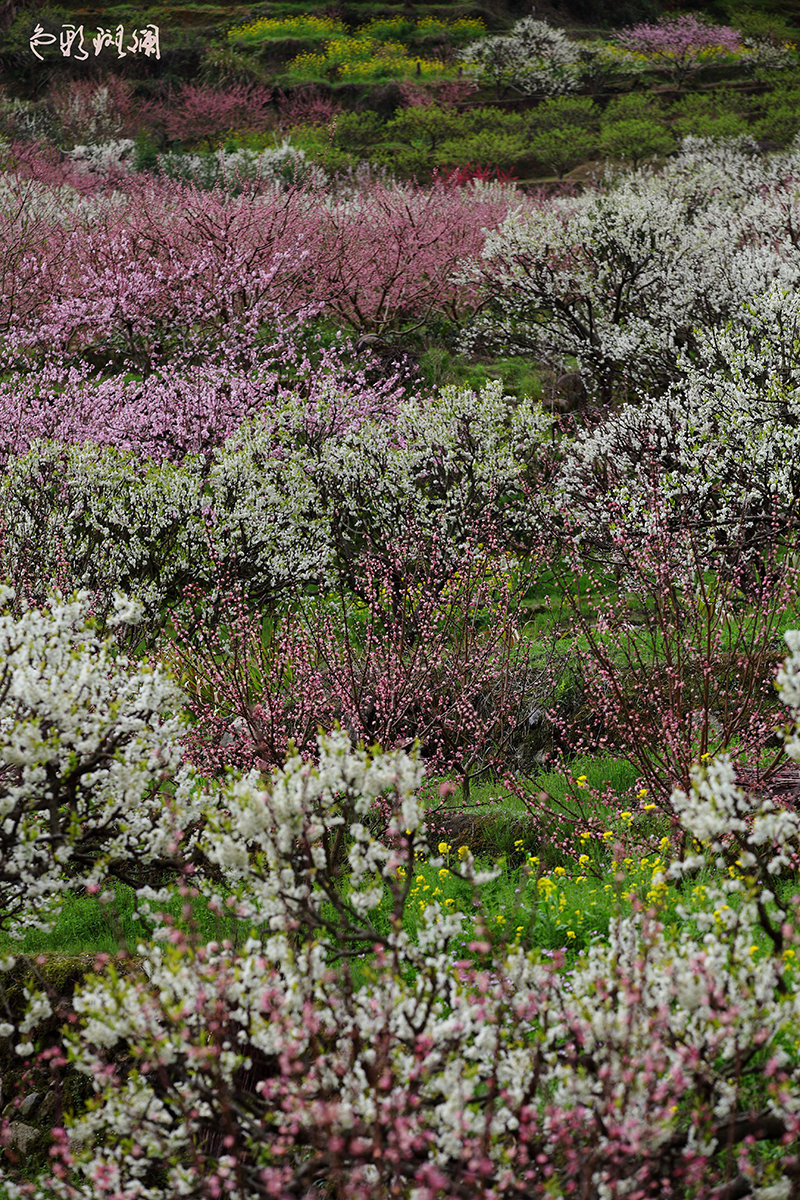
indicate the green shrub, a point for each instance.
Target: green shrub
{"x":502,"y":150}
{"x":145,"y":152}
{"x":728,"y":124}
{"x":426,"y":128}
{"x":499,"y":119}
{"x":225,"y":67}
{"x":563,"y":112}
{"x":357,"y":131}
{"x":785,"y":92}
{"x":768,"y":25}
{"x":562,"y":149}
{"x":405,"y":162}
{"x":633,"y":105}
{"x":779,"y":125}
{"x":462,"y":29}
{"x":332,"y":159}
{"x":635,"y":139}
{"x":421,"y":139}
{"x":716,"y":103}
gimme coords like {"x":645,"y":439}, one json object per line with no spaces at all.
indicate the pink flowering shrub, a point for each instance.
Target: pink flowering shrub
{"x":387,"y":258}
{"x":160,"y":267}
{"x":190,"y":405}
{"x":418,"y":648}
{"x":306,"y":106}
{"x":673,"y":668}
{"x":681,"y":43}
{"x":198,"y":112}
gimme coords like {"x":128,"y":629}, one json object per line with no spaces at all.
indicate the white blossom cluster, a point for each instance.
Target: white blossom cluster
{"x":46,"y":203}
{"x":716,"y":452}
{"x":86,"y":739}
{"x":95,"y":116}
{"x":283,"y":163}
{"x":534,"y":58}
{"x":103,"y":158}
{"x":277,"y":842}
{"x":94,"y":517}
{"x":621,"y":276}
{"x":27,"y":119}
{"x":765,"y":54}
{"x":274,"y":498}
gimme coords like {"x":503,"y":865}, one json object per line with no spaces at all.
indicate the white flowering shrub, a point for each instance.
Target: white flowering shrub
{"x":104,"y":158}
{"x":622,"y":275}
{"x":290,"y":486}
{"x":533,"y":58}
{"x":86,"y":740}
{"x":233,"y":169}
{"x":716,"y":453}
{"x":764,"y":54}
{"x":448,"y":462}
{"x":101,"y":519}
{"x":27,"y":120}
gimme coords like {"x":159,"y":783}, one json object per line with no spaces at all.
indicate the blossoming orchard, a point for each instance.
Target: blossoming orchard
{"x":399,"y":603}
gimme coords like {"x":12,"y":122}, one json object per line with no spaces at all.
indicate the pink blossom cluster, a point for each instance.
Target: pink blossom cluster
{"x":681,"y":42}
{"x":189,"y":406}
{"x":131,"y":277}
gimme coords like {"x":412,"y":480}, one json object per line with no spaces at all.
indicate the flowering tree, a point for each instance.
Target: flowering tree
{"x":425,"y":651}
{"x":161,"y":267}
{"x":387,"y":257}
{"x":85,"y":745}
{"x":533,"y":58}
{"x":681,"y":43}
{"x":622,"y":276}
{"x":715,"y":454}
{"x":199,"y":112}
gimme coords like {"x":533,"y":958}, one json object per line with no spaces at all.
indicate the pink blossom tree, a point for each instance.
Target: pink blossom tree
{"x":681,"y":43}
{"x":201,"y":113}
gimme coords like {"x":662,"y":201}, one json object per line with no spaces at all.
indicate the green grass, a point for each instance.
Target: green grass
{"x":88,"y":924}
{"x":498,"y":827}
{"x":543,"y":906}
{"x":440,"y":365}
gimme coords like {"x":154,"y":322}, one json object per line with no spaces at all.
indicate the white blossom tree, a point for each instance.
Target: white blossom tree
{"x":88,"y":740}
{"x":621,"y":276}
